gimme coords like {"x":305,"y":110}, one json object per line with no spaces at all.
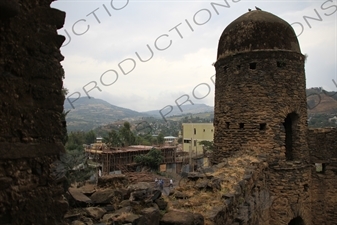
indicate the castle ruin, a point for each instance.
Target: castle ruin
{"x":260,"y":104}
{"x":31,"y":134}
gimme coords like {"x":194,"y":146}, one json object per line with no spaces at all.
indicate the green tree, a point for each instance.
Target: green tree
{"x":112,"y":140}
{"x":126,"y":136}
{"x":160,"y":139}
{"x":90,"y":137}
{"x":207,"y":145}
{"x":152,"y":159}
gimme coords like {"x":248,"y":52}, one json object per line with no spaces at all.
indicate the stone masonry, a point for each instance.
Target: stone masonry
{"x":31,"y":80}
{"x":260,"y":103}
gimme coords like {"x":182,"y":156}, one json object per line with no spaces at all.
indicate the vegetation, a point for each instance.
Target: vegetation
{"x":152,"y":159}
{"x":207,"y":146}
{"x":122,"y":138}
{"x":73,"y":164}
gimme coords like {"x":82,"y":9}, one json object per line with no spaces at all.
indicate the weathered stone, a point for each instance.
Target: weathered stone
{"x":151,"y":216}
{"x":8,"y":8}
{"x":180,"y":195}
{"x":77,"y":222}
{"x":5,"y":182}
{"x":79,"y":197}
{"x":106,"y":196}
{"x":95,"y":212}
{"x":162,"y":204}
{"x":113,"y":181}
{"x":182,"y":218}
{"x":156,"y":194}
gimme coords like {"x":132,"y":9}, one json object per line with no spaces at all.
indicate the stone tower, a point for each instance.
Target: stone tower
{"x":261,"y":109}
{"x":260,"y":99}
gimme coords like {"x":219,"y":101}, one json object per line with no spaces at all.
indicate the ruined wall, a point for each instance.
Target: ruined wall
{"x":31,"y":102}
{"x":322,"y":143}
{"x":290,"y":186}
{"x":323,"y":150}
{"x":251,"y":201}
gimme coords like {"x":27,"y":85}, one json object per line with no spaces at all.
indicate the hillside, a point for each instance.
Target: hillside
{"x":91,"y":113}
{"x":186,"y":109}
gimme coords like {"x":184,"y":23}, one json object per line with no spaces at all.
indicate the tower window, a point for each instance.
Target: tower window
{"x":195,"y":131}
{"x":227,"y":125}
{"x":320,"y":167}
{"x":242,"y":125}
{"x":281,"y":64}
{"x":263,"y":126}
{"x":252,"y":65}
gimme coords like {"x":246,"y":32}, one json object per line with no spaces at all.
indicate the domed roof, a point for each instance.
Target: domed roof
{"x":257,"y":30}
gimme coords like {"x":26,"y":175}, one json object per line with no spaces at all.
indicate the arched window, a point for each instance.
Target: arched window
{"x":296,"y":221}
{"x":289,"y":125}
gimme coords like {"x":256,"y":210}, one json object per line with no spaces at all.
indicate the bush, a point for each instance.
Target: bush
{"x":152,"y":159}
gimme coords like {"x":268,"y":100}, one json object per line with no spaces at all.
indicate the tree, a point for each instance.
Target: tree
{"x":152,"y":159}
{"x":207,"y":146}
{"x":90,"y":137}
{"x":112,"y":140}
{"x":160,"y":139}
{"x":126,"y":136}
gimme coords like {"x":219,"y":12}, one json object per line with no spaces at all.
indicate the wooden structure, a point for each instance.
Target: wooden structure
{"x":123,"y":159}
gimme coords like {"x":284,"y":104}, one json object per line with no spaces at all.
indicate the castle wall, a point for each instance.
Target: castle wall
{"x":31,"y":105}
{"x":322,"y":144}
{"x":290,"y":191}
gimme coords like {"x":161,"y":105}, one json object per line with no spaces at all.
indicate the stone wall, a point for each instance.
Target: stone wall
{"x":254,"y":93}
{"x":322,"y":143}
{"x":323,"y":152}
{"x":31,"y":103}
{"x":290,"y":186}
{"x":251,"y":201}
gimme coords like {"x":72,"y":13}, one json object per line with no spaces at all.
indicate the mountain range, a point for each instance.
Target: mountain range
{"x":88,"y":114}
{"x":92,"y":113}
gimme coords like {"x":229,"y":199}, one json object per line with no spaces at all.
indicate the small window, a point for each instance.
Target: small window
{"x":252,"y":66}
{"x":195,"y":143}
{"x":242,"y":125}
{"x":195,"y":131}
{"x":227,"y":125}
{"x":281,"y":64}
{"x":305,"y":187}
{"x":212,"y":130}
{"x":204,"y":130}
{"x":263,"y":126}
{"x":187,"y":141}
{"x":320,"y":167}
{"x":225,"y":68}
{"x":238,"y":67}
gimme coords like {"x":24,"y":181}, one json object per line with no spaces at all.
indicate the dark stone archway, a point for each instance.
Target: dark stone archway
{"x":290,"y":129}
{"x":296,"y":221}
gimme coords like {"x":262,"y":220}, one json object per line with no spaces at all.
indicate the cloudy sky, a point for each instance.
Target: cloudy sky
{"x":145,"y":55}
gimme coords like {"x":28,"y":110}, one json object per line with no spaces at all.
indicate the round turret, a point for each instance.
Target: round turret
{"x":260,"y":99}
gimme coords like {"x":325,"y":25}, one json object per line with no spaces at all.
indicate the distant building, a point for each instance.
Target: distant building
{"x":193,"y":133}
{"x":170,"y":140}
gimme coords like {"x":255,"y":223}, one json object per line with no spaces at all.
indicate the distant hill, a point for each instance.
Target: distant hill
{"x":91,"y":113}
{"x":321,"y":102}
{"x":186,"y":109}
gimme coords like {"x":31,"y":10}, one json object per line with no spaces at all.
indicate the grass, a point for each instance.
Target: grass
{"x":202,"y":201}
